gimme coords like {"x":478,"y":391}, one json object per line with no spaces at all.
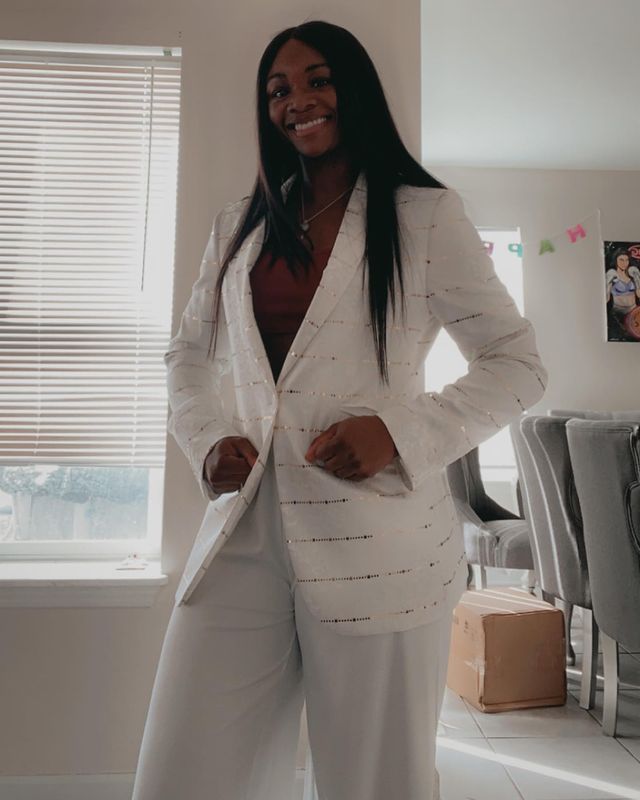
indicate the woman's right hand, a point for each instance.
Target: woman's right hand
{"x":229,"y":463}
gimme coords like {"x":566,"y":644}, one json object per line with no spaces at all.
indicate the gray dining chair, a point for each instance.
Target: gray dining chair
{"x":588,"y":414}
{"x":493,"y":535}
{"x":553,"y":510}
{"x":605,"y":455}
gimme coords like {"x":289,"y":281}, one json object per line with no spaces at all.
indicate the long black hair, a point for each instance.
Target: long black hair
{"x":370,"y":137}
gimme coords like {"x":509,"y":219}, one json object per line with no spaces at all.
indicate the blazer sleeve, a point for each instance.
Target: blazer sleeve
{"x":196,"y":419}
{"x":505,"y":374}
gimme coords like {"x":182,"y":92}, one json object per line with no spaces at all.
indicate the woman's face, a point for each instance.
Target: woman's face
{"x":299,"y":90}
{"x":622,"y":261}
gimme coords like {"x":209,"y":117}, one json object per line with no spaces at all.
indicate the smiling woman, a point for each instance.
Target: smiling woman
{"x":331,"y":557}
{"x":302,"y":98}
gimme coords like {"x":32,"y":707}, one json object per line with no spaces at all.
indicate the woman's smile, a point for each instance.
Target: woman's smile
{"x":309,"y":128}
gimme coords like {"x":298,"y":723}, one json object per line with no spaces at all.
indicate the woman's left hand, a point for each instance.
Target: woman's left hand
{"x":355,"y":448}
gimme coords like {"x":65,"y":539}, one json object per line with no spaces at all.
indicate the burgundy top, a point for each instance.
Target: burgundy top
{"x":280,"y":302}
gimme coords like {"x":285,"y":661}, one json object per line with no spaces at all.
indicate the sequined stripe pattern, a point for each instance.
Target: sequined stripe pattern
{"x":360,"y":325}
{"x":502,"y":339}
{"x":522,"y":363}
{"x":252,"y":419}
{"x":428,"y":295}
{"x":201,"y":428}
{"x":330,"y":539}
{"x":464,"y":430}
{"x":366,"y":536}
{"x":371,"y":575}
{"x":424,"y":227}
{"x":295,"y":428}
{"x":188,"y":364}
{"x":464,"y":319}
{"x":370,"y":496}
{"x":378,"y":534}
{"x":506,"y":386}
{"x":371,"y":617}
{"x":200,"y":319}
{"x":370,"y":398}
{"x":393,"y":532}
{"x":295,"y":466}
{"x":348,"y":361}
{"x":189,"y":386}
{"x":250,"y":383}
{"x":315,"y":466}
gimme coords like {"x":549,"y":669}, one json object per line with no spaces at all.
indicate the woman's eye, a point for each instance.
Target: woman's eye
{"x":275,"y":92}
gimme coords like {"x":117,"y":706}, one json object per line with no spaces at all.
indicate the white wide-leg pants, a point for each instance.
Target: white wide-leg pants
{"x":240,"y":659}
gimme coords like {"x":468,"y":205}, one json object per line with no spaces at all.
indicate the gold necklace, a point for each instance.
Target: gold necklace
{"x":304,"y":224}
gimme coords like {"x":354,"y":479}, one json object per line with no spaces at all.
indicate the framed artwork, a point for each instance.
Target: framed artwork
{"x":622,"y":290}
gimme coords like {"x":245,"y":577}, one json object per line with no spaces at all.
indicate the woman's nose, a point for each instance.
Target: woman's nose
{"x":299,"y":100}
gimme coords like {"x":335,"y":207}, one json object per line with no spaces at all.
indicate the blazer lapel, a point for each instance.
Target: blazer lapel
{"x":344,"y":260}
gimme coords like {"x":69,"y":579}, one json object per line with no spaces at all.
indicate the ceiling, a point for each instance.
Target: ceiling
{"x":544,"y":84}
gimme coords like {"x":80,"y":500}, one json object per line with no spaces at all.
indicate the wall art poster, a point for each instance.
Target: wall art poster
{"x":622,"y":290}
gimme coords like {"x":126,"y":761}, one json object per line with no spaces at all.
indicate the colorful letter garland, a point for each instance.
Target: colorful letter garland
{"x":574,"y":234}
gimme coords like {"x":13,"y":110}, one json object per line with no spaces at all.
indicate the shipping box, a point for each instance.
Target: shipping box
{"x":507,"y":651}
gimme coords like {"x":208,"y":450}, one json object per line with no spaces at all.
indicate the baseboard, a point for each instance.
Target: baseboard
{"x":83,"y":787}
{"x":66,"y":787}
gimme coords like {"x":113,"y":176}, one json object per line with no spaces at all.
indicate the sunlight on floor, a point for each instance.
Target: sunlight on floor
{"x":540,"y":769}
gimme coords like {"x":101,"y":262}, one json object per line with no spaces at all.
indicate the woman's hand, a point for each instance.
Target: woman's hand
{"x":355,"y":448}
{"x":229,"y":463}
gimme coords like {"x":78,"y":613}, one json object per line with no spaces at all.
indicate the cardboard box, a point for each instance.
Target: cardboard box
{"x":507,"y":651}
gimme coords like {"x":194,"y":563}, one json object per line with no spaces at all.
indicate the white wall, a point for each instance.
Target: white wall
{"x":524,"y":83}
{"x":564,"y":292}
{"x":75,"y":683}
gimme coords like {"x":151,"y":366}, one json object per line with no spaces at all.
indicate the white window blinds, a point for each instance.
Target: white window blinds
{"x":88,"y":167}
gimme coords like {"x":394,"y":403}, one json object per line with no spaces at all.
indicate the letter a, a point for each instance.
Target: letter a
{"x":546,"y":247}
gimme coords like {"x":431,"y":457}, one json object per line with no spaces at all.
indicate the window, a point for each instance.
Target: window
{"x":446,"y":364}
{"x":88,"y":157}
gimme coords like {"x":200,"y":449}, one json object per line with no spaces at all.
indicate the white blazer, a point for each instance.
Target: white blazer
{"x":386,"y":553}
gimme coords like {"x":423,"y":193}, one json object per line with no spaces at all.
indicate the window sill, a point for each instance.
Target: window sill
{"x":78,"y":584}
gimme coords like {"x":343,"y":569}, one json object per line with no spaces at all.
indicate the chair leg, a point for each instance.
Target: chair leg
{"x":470,"y":576}
{"x":531,"y":580}
{"x":481,"y":577}
{"x":611,"y":680}
{"x":589,"y":660}
{"x":567,"y":610}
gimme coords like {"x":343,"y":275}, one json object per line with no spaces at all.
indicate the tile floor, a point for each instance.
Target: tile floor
{"x":554,"y":753}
